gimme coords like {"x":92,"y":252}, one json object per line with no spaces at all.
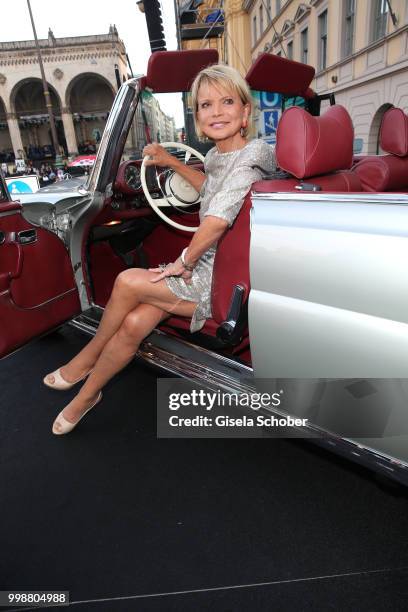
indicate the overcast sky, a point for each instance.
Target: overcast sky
{"x":84,"y":17}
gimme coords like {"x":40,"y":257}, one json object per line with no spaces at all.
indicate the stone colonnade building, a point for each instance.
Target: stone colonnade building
{"x":83,"y":74}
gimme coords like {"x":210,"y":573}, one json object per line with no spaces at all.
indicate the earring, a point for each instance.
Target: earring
{"x":242,"y":132}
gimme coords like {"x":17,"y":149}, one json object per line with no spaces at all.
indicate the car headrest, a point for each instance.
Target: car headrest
{"x":273,"y":73}
{"x":310,"y":146}
{"x":394,"y":132}
{"x":173,"y":71}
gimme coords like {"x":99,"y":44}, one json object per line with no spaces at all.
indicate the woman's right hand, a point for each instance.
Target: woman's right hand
{"x":172,"y":269}
{"x":158,"y":156}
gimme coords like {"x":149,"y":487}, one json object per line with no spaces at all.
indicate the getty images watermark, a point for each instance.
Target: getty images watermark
{"x":185,"y":409}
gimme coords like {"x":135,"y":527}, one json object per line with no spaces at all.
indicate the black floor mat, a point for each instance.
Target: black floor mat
{"x":109,"y":511}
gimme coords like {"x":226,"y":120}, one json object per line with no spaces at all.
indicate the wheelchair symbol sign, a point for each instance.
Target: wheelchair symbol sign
{"x":271,"y":119}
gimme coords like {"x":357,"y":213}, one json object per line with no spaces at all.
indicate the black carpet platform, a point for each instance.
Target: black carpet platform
{"x":125,"y":521}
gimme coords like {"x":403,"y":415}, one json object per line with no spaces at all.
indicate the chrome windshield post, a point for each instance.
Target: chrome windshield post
{"x":114,"y":136}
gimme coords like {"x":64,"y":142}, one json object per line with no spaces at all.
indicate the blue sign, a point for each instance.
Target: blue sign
{"x":271,"y":119}
{"x":358,"y":145}
{"x":22,"y":184}
{"x":19,"y":187}
{"x":268,"y":100}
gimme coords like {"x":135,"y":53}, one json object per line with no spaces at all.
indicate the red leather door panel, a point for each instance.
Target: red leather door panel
{"x":37,"y":287}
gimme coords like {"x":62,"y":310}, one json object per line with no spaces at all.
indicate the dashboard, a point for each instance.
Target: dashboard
{"x":128,"y":200}
{"x":132,"y":177}
{"x":128,"y":178}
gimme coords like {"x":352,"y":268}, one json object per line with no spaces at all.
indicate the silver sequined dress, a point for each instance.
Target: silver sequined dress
{"x":229,"y":177}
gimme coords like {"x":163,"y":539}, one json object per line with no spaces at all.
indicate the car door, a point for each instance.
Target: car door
{"x":328,"y":311}
{"x":37,"y":286}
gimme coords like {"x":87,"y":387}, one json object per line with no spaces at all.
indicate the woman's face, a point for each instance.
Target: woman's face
{"x":220,"y":112}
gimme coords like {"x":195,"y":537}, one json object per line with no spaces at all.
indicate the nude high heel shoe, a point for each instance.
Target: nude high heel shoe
{"x":54,"y":380}
{"x":65,"y":426}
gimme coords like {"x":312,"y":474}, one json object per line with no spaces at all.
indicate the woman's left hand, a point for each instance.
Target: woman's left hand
{"x":173,"y":269}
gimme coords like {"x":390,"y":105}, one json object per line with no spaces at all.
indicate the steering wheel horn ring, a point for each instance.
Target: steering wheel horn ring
{"x":182,"y":193}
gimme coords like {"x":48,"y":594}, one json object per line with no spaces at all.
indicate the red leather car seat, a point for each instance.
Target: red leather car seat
{"x":307,"y":146}
{"x":388,"y":172}
{"x":315,"y":150}
{"x":231,"y":267}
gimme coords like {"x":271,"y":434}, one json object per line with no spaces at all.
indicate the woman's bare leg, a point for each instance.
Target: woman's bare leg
{"x":131,"y":287}
{"x":119,"y":351}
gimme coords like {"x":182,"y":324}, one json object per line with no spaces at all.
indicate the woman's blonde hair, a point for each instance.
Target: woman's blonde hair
{"x":226,"y":77}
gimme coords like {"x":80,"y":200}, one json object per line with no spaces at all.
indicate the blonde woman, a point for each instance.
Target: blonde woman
{"x":142,"y":298}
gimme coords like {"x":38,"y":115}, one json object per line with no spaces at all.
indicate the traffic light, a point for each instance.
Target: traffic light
{"x":154,"y":23}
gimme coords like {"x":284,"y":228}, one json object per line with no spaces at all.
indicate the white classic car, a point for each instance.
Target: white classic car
{"x":308,"y":285}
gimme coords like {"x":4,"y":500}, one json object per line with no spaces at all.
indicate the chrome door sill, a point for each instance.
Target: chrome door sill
{"x":186,"y":360}
{"x":181,"y":358}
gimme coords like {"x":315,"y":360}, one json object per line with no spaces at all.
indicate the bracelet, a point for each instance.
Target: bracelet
{"x":187,"y":266}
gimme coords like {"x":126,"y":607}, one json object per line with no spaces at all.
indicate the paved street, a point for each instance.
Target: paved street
{"x":111,"y":512}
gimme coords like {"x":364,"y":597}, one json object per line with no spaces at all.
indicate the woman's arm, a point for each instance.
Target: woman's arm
{"x":210,"y":231}
{"x":196,"y":178}
{"x":160,"y":157}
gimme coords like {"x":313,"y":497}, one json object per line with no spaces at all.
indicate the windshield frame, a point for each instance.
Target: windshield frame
{"x":114,"y":136}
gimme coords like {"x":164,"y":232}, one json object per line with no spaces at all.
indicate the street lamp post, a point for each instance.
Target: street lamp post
{"x":54,"y":137}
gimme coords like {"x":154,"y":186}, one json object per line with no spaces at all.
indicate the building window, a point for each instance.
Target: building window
{"x":304,"y":45}
{"x":290,"y":49}
{"x":261,"y":25}
{"x":349,"y":14}
{"x":254,"y":30}
{"x":380,"y":14}
{"x":278,"y":6}
{"x":323,"y":40}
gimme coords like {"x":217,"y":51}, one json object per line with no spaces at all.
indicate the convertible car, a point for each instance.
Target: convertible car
{"x":308,"y":287}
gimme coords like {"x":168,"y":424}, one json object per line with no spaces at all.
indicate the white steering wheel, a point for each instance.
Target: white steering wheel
{"x":177,"y":191}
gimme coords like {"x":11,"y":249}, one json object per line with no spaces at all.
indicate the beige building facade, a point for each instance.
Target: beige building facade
{"x":359,"y":49}
{"x":83,"y":75}
{"x":230,"y":34}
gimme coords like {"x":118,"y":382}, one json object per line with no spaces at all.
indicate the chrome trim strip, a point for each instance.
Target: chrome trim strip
{"x":222,"y":358}
{"x":318,"y":196}
{"x":57,"y":297}
{"x":9,"y":213}
{"x":192,"y":370}
{"x":87,"y":328}
{"x":117,"y":109}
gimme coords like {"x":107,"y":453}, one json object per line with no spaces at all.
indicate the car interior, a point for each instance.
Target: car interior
{"x":314,"y":153}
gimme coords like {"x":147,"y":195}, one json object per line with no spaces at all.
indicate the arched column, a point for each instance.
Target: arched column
{"x":89,"y":96}
{"x":69,"y":130}
{"x":374,"y":133}
{"x":15,"y":135}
